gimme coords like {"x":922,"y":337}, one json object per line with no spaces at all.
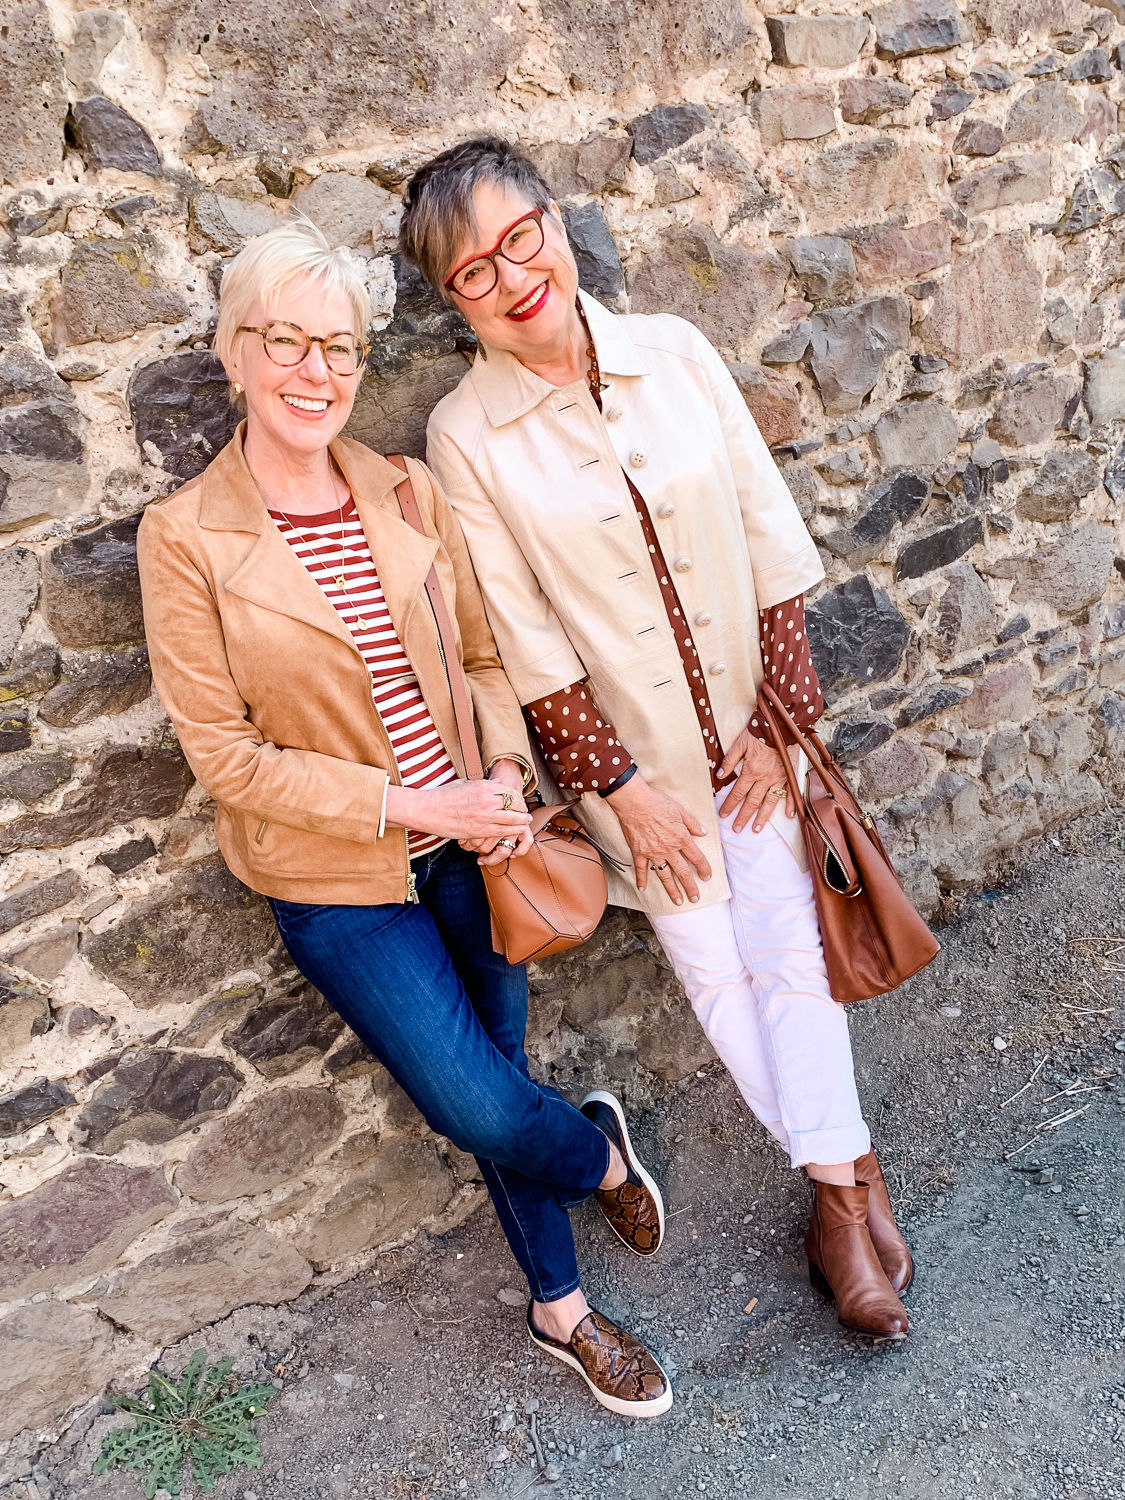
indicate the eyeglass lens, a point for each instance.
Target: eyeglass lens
{"x":522,"y":241}
{"x":286,"y":344}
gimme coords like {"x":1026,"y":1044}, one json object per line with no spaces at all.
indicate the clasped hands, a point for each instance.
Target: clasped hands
{"x":662,"y":834}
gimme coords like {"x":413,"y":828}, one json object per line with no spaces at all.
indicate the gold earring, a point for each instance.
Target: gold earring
{"x":236,"y":388}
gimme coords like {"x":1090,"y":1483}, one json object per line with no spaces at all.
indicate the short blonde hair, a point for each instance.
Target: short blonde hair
{"x":296,"y":251}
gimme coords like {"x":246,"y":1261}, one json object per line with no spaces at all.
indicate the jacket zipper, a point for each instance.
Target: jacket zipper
{"x":412,"y":890}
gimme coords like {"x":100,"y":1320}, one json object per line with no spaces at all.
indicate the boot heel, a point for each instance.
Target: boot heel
{"x":819,"y":1282}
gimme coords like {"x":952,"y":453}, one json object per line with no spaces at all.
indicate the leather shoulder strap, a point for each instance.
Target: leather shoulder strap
{"x":458,"y":685}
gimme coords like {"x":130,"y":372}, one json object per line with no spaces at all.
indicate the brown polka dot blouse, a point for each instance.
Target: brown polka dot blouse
{"x":582,"y":747}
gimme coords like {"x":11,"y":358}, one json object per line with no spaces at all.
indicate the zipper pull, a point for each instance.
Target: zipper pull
{"x":412,"y":889}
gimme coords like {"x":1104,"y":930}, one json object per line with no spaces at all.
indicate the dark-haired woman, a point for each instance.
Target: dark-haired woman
{"x":642,"y":563}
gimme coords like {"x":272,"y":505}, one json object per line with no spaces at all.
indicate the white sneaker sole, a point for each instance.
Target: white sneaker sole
{"x":614,"y":1404}
{"x":603,"y":1096}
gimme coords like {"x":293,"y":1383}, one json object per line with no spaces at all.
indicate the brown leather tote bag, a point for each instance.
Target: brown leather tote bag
{"x":554,"y":896}
{"x":873,"y":937}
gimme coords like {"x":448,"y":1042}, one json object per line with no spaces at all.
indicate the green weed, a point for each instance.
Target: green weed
{"x":204,"y":1418}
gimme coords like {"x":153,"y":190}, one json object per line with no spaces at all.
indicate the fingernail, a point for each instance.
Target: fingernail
{"x":679,"y":902}
{"x":695,"y":898}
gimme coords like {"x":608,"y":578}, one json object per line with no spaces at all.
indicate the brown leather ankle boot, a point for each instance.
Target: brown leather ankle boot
{"x":890,"y":1247}
{"x":843,"y":1264}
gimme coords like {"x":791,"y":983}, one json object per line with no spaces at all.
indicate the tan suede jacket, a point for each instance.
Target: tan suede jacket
{"x":270,"y":697}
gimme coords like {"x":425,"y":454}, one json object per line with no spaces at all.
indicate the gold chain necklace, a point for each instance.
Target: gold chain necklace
{"x":340,"y":581}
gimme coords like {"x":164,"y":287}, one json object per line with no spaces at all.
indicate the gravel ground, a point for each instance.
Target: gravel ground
{"x":416,"y":1380}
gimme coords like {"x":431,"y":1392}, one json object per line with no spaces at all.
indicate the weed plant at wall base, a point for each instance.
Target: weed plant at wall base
{"x":204,"y":1418}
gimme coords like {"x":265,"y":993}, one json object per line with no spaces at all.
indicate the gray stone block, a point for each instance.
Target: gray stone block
{"x":108,"y":137}
{"x":26,"y":1107}
{"x":154,"y":1095}
{"x":850,"y":346}
{"x":856,"y":634}
{"x":666,"y":127}
{"x":180,"y":941}
{"x":37,"y":897}
{"x":916,"y":434}
{"x":938,"y":548}
{"x":904,"y":28}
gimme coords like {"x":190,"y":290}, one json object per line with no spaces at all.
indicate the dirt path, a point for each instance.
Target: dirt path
{"x":416,"y":1380}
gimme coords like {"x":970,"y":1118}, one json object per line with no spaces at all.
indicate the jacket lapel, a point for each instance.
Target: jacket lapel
{"x":273,"y":577}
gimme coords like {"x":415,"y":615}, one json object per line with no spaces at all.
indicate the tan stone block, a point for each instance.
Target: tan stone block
{"x":991,"y":301}
{"x":817,"y":41}
{"x":1047,"y":112}
{"x":1012,"y":20}
{"x":795,"y":114}
{"x":726,"y":290}
{"x":671,"y":1043}
{"x":406,"y":1183}
{"x":77,"y":1224}
{"x":201,"y":1278}
{"x":1023,"y":179}
{"x":52,"y":1358}
{"x":774,"y":403}
{"x":1006,"y":693}
{"x":24,"y":1013}
{"x":863,"y":178}
{"x":259,"y":1146}
{"x":885,"y":253}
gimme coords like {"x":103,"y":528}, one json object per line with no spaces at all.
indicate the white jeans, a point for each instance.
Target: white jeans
{"x":753,"y":969}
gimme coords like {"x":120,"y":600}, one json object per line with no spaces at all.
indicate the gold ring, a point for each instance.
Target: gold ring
{"x":507,"y":800}
{"x":777,"y":791}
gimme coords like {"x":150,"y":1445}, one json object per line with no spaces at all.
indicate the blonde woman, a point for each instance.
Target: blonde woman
{"x":299,"y":661}
{"x":642,"y":563}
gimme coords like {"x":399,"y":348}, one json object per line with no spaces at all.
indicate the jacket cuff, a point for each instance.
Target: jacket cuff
{"x":788,"y":578}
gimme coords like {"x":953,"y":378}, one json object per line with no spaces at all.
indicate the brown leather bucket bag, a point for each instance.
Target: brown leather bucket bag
{"x":552,"y":897}
{"x":873,"y":937}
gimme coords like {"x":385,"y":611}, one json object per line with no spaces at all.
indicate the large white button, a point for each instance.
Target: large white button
{"x":682,"y":565}
{"x":717,"y":668}
{"x":638,"y":458}
{"x":666,"y":510}
{"x":702,"y":619}
{"x":612,"y":413}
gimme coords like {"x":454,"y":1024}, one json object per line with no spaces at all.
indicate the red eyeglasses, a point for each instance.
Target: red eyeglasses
{"x":519,"y":243}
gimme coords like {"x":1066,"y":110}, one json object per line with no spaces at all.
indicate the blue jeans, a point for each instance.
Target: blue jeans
{"x":422,"y":987}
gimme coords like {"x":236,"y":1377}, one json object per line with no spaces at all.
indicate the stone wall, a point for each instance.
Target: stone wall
{"x":901,"y":225}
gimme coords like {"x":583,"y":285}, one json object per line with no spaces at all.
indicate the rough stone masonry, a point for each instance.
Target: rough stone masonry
{"x":901,"y":224}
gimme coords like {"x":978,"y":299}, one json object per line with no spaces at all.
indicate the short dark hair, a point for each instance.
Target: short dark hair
{"x":439,"y":199}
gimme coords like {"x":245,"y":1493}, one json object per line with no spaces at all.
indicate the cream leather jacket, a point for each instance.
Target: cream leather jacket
{"x":536,"y":475}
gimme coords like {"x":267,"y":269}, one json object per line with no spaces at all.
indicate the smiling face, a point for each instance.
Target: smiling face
{"x":531,"y":308}
{"x":298,"y":409}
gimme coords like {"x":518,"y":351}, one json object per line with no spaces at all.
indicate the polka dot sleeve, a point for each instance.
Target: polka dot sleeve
{"x":581,"y":747}
{"x":788,"y":665}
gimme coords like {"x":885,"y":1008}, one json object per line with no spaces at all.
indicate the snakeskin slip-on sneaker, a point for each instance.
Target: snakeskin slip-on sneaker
{"x":635,"y":1210}
{"x":617,"y":1367}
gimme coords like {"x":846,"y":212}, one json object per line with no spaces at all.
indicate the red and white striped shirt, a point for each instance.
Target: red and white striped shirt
{"x":330,"y":555}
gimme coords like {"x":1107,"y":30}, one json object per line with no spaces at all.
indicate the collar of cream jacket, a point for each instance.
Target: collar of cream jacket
{"x":508,"y":390}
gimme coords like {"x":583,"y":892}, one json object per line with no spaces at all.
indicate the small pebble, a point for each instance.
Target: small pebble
{"x":950,"y":1012}
{"x":530,"y":1405}
{"x":614,"y":1457}
{"x":510,"y":1297}
{"x":347,"y":1381}
{"x":505,"y":1421}
{"x":1000,"y":1044}
{"x":498,"y":1455}
{"x":738,"y":1279}
{"x":1044,"y":1177}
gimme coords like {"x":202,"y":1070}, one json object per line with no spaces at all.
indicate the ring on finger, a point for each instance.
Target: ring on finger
{"x":508,"y":843}
{"x":507,"y":802}
{"x":777,"y":791}
{"x":663,"y":865}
